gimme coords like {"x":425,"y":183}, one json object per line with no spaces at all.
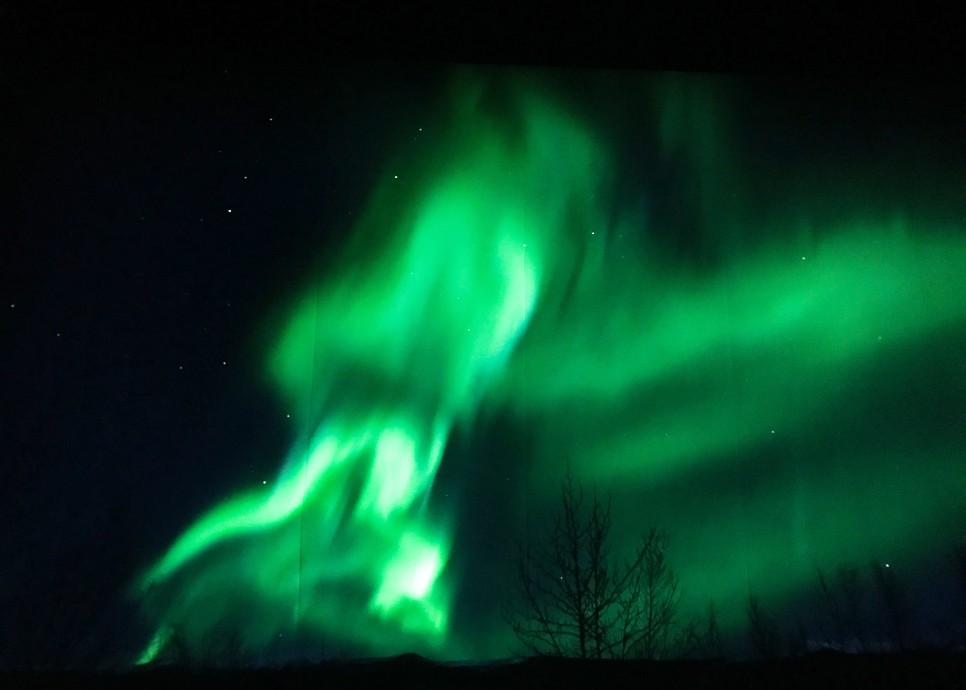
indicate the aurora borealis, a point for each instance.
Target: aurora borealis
{"x":333,"y":351}
{"x":505,"y":275}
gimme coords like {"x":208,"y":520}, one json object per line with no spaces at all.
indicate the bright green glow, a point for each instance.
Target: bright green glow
{"x":784,"y":321}
{"x":500,"y":274}
{"x":256,"y":510}
{"x":154,"y":647}
{"x":410,"y":578}
{"x":392,"y":481}
{"x":378,"y":363}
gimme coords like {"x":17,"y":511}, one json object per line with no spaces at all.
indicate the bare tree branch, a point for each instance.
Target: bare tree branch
{"x":575,"y":600}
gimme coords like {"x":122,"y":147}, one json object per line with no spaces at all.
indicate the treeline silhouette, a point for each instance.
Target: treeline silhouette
{"x":576,"y":598}
{"x":860,"y":612}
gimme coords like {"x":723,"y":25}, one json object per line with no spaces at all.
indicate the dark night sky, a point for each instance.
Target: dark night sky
{"x":153,"y":224}
{"x":168,"y":180}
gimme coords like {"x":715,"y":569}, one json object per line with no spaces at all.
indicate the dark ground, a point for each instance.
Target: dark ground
{"x":935,"y":670}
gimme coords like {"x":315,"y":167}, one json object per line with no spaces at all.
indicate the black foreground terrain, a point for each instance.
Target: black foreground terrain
{"x":826,"y":670}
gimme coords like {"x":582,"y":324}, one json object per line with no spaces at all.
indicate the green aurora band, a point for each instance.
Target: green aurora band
{"x":497,"y":277}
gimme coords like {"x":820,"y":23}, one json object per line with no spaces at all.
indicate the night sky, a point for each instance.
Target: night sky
{"x":737,"y":305}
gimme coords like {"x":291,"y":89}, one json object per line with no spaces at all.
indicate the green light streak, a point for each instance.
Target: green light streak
{"x":154,"y":648}
{"x":735,"y":344}
{"x":499,"y":274}
{"x":255,"y":510}
{"x":379,"y":362}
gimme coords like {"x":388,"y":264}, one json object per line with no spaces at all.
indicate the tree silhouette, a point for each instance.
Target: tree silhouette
{"x":576,"y":600}
{"x":842,"y":614}
{"x":700,"y":637}
{"x":57,"y":617}
{"x":762,"y":631}
{"x":892,"y":598}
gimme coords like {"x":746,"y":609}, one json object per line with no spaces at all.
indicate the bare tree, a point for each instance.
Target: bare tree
{"x":713,"y":643}
{"x":957,"y":635}
{"x":657,"y":594}
{"x":797,"y":639}
{"x":762,"y":631}
{"x":854,"y":607}
{"x":831,"y":618}
{"x":892,"y":599}
{"x":701,"y":637}
{"x":576,"y":600}
{"x":54,"y":613}
{"x":214,"y":649}
{"x":842,"y":616}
